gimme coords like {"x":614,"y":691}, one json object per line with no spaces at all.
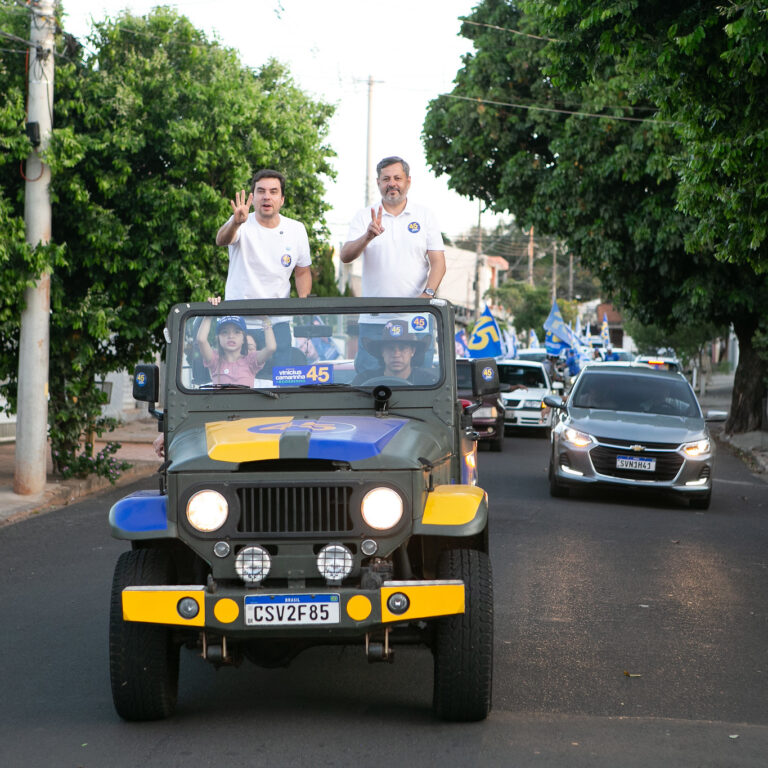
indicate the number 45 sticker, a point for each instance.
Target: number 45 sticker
{"x":319,"y":374}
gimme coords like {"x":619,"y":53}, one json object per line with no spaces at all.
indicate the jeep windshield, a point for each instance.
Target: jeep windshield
{"x":338,"y":350}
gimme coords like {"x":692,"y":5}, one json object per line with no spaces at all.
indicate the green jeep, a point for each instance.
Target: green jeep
{"x":303,"y":503}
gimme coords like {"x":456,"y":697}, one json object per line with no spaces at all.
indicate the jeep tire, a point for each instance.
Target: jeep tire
{"x":143,"y":658}
{"x":463,"y":646}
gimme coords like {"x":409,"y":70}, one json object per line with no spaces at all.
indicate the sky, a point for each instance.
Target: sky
{"x":411,"y":49}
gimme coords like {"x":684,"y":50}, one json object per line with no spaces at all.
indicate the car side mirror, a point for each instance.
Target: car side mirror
{"x":558,"y":385}
{"x":554,"y":402}
{"x":714,"y":415}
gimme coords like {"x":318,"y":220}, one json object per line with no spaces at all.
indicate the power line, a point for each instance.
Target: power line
{"x":560,"y":111}
{"x":513,"y":31}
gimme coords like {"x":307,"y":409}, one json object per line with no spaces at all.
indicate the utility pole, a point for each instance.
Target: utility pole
{"x":530,"y":257}
{"x":32,"y":412}
{"x":369,"y":148}
{"x":554,"y":270}
{"x":478,"y":257}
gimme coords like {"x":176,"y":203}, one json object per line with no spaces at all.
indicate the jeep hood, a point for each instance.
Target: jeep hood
{"x":360,"y":440}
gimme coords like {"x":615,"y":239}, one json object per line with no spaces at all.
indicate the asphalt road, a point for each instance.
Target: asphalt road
{"x":587,"y":591}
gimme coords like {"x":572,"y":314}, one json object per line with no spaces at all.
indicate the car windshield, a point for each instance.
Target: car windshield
{"x":522,"y":376}
{"x":225,"y":352}
{"x":636,"y":394}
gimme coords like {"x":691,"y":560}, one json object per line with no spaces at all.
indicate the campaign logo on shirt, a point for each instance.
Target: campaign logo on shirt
{"x":285,"y":260}
{"x":414,"y":227}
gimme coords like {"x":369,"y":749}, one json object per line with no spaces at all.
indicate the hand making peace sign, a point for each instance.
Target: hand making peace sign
{"x":375,"y":228}
{"x":241,"y":206}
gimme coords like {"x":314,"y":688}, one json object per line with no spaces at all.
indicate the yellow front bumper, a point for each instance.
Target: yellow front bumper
{"x":359,"y":608}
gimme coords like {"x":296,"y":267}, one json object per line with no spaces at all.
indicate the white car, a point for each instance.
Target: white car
{"x":527,"y":384}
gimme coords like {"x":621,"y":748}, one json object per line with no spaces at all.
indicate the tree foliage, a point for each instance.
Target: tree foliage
{"x":154,"y":132}
{"x":563,"y":134}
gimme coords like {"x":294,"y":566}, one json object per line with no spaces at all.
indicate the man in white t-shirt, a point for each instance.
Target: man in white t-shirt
{"x":401,"y":245}
{"x":265,"y":248}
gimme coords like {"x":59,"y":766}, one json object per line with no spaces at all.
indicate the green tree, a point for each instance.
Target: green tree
{"x":595,"y":166}
{"x":154,"y":133}
{"x":704,"y":65}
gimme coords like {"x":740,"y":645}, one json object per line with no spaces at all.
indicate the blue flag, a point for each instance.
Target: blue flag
{"x":486,"y":338}
{"x":559,"y":335}
{"x":604,"y":333}
{"x":461,"y":344}
{"x":533,"y":340}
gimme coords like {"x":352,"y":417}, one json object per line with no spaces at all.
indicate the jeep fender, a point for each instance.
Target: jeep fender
{"x":141,"y":515}
{"x":453,"y":510}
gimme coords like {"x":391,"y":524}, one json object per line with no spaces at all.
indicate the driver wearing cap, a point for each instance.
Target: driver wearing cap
{"x":399,"y":354}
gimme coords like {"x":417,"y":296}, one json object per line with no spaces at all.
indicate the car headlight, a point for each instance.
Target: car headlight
{"x":533,"y":404}
{"x":207,"y":511}
{"x":574,"y":437}
{"x":382,"y":508}
{"x":487,"y":412}
{"x":697,"y":448}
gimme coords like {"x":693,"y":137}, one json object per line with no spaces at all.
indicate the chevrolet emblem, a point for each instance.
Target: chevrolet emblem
{"x":637,"y":448}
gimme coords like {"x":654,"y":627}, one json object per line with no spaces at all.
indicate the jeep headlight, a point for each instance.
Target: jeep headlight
{"x":207,"y":511}
{"x":382,"y":508}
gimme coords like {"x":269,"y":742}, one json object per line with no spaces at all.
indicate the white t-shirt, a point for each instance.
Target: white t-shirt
{"x":395,"y":263}
{"x":261,"y":259}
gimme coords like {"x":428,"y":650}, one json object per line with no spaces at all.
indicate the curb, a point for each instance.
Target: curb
{"x":62,"y":493}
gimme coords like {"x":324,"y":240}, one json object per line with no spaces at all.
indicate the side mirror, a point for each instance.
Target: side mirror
{"x":146,"y":388}
{"x":713,"y":415}
{"x":146,"y":383}
{"x":485,"y":377}
{"x":554,"y":402}
{"x":558,"y":386}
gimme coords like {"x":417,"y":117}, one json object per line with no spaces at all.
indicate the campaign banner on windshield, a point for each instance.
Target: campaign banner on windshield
{"x":299,"y":375}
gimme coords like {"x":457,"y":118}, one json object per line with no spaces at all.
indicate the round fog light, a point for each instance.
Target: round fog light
{"x":334,"y":561}
{"x":252,"y":564}
{"x":188,"y":608}
{"x":398,"y":603}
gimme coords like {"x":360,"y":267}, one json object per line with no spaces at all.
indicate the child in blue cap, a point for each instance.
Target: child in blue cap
{"x":234,"y":361}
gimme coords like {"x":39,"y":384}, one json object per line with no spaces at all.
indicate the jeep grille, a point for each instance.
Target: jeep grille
{"x":294,"y":509}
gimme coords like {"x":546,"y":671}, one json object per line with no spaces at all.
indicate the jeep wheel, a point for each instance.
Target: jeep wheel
{"x":143,"y":659}
{"x":464,"y":643}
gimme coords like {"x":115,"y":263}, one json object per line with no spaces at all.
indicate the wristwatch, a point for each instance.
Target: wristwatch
{"x":429,"y":291}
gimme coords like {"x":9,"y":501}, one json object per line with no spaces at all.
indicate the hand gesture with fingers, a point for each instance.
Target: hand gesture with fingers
{"x":241,"y":206}
{"x":375,"y":228}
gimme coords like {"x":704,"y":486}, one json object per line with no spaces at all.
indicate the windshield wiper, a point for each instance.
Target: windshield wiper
{"x":336,"y":387}
{"x":260,"y":390}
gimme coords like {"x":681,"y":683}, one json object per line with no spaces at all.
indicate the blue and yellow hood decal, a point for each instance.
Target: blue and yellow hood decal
{"x":338,"y":438}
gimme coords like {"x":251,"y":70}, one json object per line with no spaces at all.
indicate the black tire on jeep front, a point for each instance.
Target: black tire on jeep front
{"x":464,"y":643}
{"x":143,"y":658}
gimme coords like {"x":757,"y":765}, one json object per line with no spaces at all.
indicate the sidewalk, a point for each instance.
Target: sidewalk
{"x":136,"y":447}
{"x":752,"y":445}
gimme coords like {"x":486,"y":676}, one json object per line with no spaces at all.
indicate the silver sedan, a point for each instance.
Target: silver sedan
{"x":632,"y":427}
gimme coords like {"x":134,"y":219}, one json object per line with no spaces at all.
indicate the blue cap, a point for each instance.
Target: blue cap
{"x":231,"y":320}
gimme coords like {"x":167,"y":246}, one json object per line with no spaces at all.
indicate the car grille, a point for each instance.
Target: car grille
{"x":295,"y":510}
{"x":630,"y":443}
{"x":667,"y":464}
